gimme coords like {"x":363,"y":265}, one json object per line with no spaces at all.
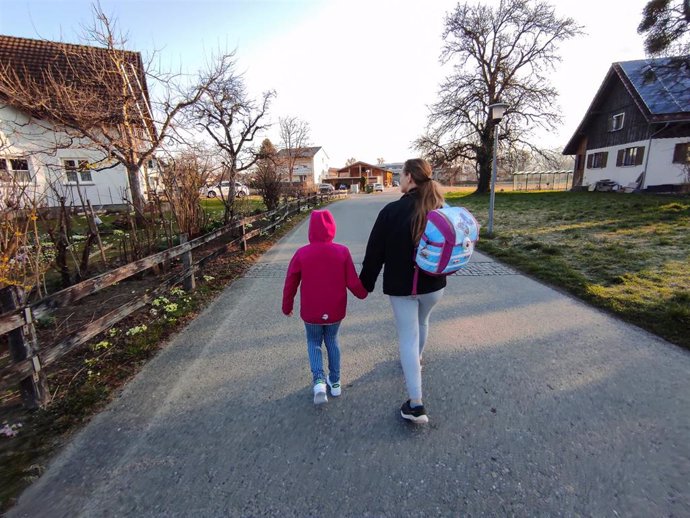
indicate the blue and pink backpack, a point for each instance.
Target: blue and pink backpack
{"x":447,"y":242}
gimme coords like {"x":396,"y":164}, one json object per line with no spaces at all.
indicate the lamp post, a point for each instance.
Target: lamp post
{"x":496,"y":112}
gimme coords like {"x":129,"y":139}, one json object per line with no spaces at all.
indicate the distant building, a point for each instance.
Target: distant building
{"x":636,"y":131}
{"x":37,"y":154}
{"x":360,"y":173}
{"x":395,"y":168}
{"x":310,"y":166}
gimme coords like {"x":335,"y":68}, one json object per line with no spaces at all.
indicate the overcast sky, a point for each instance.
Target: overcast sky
{"x":362,"y":73}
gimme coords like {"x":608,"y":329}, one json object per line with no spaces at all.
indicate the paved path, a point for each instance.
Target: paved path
{"x":539,"y":406}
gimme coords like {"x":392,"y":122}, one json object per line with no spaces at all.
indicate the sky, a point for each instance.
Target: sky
{"x":362,"y":73}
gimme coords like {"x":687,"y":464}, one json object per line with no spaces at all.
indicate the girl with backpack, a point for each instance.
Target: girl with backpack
{"x":391,"y":246}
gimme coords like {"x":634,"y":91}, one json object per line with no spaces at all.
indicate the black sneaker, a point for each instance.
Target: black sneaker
{"x":416,"y":414}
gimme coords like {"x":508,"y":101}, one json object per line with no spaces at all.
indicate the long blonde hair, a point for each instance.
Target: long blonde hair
{"x":430,"y":196}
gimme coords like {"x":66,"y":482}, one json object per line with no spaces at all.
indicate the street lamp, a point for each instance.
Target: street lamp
{"x":496,"y":112}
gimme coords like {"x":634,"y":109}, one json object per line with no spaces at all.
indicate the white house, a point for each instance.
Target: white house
{"x":39,"y":160}
{"x":636,"y":132}
{"x":310,"y":166}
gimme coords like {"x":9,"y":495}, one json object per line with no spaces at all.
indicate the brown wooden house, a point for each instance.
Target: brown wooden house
{"x":636,"y":131}
{"x":360,"y":173}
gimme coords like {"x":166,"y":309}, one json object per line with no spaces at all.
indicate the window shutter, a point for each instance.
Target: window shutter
{"x":619,"y":158}
{"x":639,"y":155}
{"x":589,"y":161}
{"x":604,"y":158}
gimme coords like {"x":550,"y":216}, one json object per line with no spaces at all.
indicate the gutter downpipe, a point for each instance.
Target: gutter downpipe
{"x":649,"y":152}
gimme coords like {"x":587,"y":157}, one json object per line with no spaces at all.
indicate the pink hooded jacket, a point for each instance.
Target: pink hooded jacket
{"x":325,"y":271}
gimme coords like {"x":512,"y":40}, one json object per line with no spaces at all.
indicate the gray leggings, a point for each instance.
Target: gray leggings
{"x":412,"y":320}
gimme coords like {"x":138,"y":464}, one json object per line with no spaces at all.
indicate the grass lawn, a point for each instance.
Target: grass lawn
{"x":626,"y":253}
{"x":246,"y":205}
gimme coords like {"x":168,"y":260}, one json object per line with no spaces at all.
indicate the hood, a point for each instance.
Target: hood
{"x":321,"y":227}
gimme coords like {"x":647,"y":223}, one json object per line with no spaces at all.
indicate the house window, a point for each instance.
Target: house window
{"x":681,"y":153}
{"x":597,"y":160}
{"x":16,"y":169}
{"x":616,"y":122}
{"x":630,"y":156}
{"x":77,"y":171}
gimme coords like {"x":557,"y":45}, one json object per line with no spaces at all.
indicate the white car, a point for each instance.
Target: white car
{"x":325,"y":188}
{"x":378,"y":187}
{"x":223,"y":188}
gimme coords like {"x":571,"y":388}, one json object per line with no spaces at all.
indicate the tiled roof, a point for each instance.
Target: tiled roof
{"x":84,"y":68}
{"x":662,"y":84}
{"x":304,"y":152}
{"x":660,"y":88}
{"x":364,"y":165}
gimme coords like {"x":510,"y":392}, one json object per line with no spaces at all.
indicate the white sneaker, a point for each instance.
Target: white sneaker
{"x":320,"y":396}
{"x":335,"y":387}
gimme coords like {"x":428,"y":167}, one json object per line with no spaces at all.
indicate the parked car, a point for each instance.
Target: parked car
{"x":342,"y":187}
{"x":396,"y":183}
{"x":378,"y":187}
{"x":325,"y":188}
{"x":224,"y":188}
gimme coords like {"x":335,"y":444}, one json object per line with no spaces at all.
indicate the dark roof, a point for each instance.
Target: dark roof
{"x":303,"y":152}
{"x":659,"y":87}
{"x":87,"y":70}
{"x":366,"y":166}
{"x":663,"y":85}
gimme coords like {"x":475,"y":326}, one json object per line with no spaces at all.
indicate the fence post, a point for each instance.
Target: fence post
{"x":24,"y":346}
{"x":243,"y":231}
{"x":188,"y":265}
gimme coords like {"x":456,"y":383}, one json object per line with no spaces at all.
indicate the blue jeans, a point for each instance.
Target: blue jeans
{"x":316,"y":335}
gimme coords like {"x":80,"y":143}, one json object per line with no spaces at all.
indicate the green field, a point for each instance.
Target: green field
{"x":626,"y":253}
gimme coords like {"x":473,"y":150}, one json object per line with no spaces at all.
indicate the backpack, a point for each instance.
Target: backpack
{"x":447,"y":242}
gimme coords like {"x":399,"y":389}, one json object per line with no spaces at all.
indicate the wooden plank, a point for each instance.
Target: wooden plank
{"x":78,"y":291}
{"x":90,"y":286}
{"x":107,"y":321}
{"x":13,"y":375}
{"x":11,"y":320}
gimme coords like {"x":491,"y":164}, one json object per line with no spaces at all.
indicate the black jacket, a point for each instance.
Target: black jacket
{"x":391,"y":246}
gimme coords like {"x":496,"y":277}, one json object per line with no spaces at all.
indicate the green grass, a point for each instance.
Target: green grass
{"x":247,"y":205}
{"x":628,"y":254}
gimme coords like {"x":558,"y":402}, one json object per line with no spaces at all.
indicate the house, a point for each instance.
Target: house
{"x":395,"y":168}
{"x":636,"y":131}
{"x":310,"y":164}
{"x":360,"y":173}
{"x":39,"y":156}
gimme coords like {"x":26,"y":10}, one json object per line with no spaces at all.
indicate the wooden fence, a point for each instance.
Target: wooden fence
{"x":17,"y":320}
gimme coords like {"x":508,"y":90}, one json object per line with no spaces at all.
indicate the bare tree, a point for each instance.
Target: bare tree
{"x":267,"y":178}
{"x":232,"y":119}
{"x":294,"y":136}
{"x":100,"y":96}
{"x":380,"y":161}
{"x":183,"y":174}
{"x":505,"y":54}
{"x":666,"y":27}
{"x":350,"y":161}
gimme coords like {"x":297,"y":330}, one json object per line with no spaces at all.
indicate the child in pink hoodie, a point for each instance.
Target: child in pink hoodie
{"x":325,"y":271}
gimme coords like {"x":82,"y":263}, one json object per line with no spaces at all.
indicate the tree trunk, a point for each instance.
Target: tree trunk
{"x":484,"y":159}
{"x":61,"y":249}
{"x":135,"y":189}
